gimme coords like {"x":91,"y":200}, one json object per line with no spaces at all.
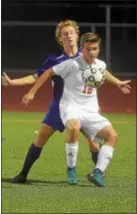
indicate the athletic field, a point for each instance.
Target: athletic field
{"x":47,"y":190}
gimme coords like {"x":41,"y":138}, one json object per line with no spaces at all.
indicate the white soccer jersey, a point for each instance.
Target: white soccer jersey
{"x":75,"y":92}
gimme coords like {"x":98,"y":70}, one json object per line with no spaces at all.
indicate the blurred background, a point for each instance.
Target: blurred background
{"x":28,"y":31}
{"x":28,"y":37}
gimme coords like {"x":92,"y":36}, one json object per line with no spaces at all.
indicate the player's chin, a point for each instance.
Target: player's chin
{"x":71,"y":44}
{"x":92,"y":58}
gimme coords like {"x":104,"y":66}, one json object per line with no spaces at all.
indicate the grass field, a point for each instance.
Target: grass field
{"x":48,"y":191}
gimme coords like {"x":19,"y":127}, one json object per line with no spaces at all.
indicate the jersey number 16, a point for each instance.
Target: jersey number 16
{"x":87,"y":90}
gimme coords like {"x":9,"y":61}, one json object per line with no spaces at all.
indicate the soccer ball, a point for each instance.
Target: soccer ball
{"x":93,"y":77}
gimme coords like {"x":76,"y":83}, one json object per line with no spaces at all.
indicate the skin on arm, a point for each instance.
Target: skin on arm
{"x":62,"y":69}
{"x":28,"y":80}
{"x":41,"y":80}
{"x":122,"y":85}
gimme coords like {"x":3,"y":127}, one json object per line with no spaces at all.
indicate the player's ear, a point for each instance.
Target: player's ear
{"x":60,"y":41}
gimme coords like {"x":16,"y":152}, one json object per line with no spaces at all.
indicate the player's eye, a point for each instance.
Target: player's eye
{"x":94,"y":49}
{"x":71,"y":32}
{"x":89,"y":49}
{"x":66,"y":33}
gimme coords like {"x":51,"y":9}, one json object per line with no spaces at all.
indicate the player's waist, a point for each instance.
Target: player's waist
{"x":80,"y":100}
{"x":88,"y":106}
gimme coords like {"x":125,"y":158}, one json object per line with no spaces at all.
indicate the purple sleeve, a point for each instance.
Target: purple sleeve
{"x":48,"y":63}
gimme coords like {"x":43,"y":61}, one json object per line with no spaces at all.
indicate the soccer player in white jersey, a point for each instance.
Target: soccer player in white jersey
{"x":79,"y":107}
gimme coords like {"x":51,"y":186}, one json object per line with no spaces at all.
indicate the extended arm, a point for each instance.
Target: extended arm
{"x":41,"y":80}
{"x":122,"y":85}
{"x":28,"y":80}
{"x":62,"y":69}
{"x":112,"y":79}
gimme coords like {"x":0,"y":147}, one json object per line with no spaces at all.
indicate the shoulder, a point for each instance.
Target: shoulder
{"x":75,"y":62}
{"x":69,"y":64}
{"x":56,"y":57}
{"x":59,"y":57}
{"x":101,"y":63}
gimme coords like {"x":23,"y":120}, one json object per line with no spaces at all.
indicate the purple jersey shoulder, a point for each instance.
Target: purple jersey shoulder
{"x":51,"y":61}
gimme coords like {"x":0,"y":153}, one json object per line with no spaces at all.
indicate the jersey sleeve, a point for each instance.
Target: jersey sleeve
{"x":64,"y":68}
{"x":48,"y":63}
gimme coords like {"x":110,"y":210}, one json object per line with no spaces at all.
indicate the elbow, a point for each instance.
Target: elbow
{"x":51,"y":73}
{"x":48,"y":74}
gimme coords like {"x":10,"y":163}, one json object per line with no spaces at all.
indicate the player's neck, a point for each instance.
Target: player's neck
{"x":71,"y":50}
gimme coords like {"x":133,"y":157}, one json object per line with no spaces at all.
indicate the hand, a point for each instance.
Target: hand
{"x":124,"y":86}
{"x":94,"y":147}
{"x":27,"y":98}
{"x":6,"y":81}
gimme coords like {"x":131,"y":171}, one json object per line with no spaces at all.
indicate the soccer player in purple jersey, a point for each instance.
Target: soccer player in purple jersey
{"x":67,"y":34}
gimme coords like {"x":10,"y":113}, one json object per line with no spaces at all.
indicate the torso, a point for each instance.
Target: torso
{"x":75,"y":92}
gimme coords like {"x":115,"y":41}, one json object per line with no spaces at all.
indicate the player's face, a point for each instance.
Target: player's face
{"x":69,"y":36}
{"x":91,"y":50}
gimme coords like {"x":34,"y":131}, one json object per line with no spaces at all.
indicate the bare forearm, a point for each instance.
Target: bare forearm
{"x":28,"y":80}
{"x":41,"y":80}
{"x":112,"y":79}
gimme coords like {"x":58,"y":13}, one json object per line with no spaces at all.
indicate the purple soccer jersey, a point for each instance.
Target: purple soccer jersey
{"x":52,"y":118}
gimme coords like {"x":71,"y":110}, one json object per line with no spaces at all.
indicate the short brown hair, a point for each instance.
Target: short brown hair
{"x":89,"y":37}
{"x":62,"y":24}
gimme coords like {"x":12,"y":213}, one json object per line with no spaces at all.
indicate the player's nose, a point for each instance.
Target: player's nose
{"x":69,"y":35}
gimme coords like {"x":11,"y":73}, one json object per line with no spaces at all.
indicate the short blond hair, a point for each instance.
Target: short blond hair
{"x":89,"y":37}
{"x":63,"y":24}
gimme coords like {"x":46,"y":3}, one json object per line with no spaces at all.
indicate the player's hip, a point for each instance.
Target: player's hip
{"x":53,"y":119}
{"x":81,"y":110}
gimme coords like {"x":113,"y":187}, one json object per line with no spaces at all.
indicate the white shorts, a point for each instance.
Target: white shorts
{"x":91,"y":123}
